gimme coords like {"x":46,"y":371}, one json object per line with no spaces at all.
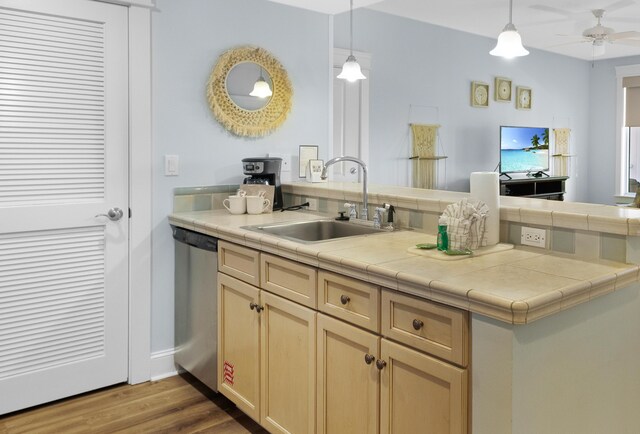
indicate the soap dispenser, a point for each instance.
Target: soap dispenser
{"x":443,"y":238}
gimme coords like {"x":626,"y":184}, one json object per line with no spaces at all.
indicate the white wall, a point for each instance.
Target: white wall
{"x":188,"y":36}
{"x":417,"y":64}
{"x":602,"y":132}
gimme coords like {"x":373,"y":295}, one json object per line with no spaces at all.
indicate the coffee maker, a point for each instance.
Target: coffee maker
{"x":264,"y":170}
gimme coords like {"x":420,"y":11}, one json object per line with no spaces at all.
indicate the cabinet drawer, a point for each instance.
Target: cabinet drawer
{"x":289,"y":279}
{"x":240,"y":262}
{"x":349,"y":299}
{"x":430,"y":327}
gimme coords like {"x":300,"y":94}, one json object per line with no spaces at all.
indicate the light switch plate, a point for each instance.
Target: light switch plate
{"x":171,"y":165}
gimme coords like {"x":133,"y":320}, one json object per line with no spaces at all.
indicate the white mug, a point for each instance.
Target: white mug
{"x":257,"y":204}
{"x":235,"y":204}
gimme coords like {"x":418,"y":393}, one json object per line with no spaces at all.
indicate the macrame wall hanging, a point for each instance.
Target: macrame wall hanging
{"x":425,"y":160}
{"x":562,"y":156}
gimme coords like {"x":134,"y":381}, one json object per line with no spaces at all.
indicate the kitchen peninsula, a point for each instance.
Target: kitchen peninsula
{"x":552,"y":333}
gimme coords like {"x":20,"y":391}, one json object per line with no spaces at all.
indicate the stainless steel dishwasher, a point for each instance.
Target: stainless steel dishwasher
{"x":196,"y":304}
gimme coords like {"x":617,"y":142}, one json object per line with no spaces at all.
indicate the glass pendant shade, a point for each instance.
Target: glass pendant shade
{"x":351,"y":70}
{"x":598,"y":48}
{"x":261,"y":89}
{"x":509,"y":44}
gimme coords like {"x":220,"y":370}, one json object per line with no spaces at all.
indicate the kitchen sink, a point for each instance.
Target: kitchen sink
{"x":315,"y":230}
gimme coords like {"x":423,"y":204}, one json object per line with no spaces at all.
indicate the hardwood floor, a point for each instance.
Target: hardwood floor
{"x":175,"y":404}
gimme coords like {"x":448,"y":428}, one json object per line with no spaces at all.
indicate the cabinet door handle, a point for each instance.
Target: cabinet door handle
{"x":380,"y":364}
{"x":255,"y":306}
{"x":368,"y":359}
{"x":418,"y":324}
{"x":344,"y":299}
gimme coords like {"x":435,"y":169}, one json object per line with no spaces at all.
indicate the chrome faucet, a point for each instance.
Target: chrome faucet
{"x":365,"y":194}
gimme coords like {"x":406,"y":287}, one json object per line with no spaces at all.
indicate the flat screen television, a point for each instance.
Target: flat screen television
{"x":524,"y":149}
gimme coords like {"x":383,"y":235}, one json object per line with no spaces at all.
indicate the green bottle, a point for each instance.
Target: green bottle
{"x":443,"y":238}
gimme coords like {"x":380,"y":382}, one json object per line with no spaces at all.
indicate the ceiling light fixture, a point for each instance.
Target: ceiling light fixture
{"x":261,"y":88}
{"x":351,"y":68}
{"x":509,"y":42}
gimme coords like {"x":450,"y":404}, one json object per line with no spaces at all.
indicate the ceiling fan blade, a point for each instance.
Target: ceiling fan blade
{"x":623,"y":35}
{"x":542,"y":23}
{"x":622,"y":20}
{"x":629,"y":42}
{"x":618,"y":5}
{"x":552,"y":10}
{"x":581,"y":41}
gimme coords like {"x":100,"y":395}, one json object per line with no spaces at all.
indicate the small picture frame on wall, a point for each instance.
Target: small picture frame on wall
{"x":479,"y":94}
{"x":502,"y":89}
{"x":523,"y":98}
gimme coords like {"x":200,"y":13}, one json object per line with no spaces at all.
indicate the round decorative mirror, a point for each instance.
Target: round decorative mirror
{"x":249,"y":92}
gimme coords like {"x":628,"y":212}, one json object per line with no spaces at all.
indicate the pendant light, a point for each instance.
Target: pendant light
{"x":261,"y":88}
{"x":509,"y":42}
{"x":351,"y":69}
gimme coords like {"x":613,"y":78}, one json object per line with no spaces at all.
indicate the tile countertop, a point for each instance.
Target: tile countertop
{"x":571,"y":215}
{"x":516,"y":286}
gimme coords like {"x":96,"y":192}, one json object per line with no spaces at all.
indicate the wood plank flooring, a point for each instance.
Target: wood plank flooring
{"x":175,"y":404}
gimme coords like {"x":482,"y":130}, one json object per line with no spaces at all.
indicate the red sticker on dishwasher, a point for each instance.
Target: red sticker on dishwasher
{"x":228,"y":373}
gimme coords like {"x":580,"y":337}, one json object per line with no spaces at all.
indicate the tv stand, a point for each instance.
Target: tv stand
{"x":552,"y":188}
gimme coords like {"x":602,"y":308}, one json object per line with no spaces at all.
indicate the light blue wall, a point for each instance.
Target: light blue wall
{"x":187,"y":37}
{"x":417,"y":64}
{"x":413,"y":64}
{"x":602,"y":132}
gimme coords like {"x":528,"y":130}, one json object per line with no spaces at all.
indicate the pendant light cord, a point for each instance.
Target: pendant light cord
{"x":510,"y":11}
{"x":351,"y":28}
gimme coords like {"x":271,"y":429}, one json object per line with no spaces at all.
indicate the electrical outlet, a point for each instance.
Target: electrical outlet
{"x":533,"y":237}
{"x":286,"y":163}
{"x":313,"y":204}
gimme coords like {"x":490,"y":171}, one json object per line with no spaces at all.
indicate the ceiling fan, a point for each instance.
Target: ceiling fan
{"x":599,"y":36}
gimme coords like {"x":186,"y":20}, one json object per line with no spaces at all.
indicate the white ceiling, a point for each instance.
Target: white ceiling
{"x":551,"y":25}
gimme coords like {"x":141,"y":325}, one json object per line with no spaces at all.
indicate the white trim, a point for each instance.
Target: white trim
{"x":163,"y":365}
{"x":140,"y":176}
{"x":138,"y":3}
{"x":622,"y":164}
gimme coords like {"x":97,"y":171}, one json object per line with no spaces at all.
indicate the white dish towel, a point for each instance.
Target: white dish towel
{"x":466,"y":224}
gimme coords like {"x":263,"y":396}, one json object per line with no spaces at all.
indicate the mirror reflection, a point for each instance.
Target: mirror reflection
{"x":249,"y":86}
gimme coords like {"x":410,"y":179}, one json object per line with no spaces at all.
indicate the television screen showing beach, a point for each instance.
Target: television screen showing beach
{"x":524,"y":149}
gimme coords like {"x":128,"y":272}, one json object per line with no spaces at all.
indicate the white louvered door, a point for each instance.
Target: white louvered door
{"x":63,"y":160}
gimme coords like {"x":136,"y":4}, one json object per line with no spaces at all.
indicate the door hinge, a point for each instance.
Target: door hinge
{"x":129,"y":212}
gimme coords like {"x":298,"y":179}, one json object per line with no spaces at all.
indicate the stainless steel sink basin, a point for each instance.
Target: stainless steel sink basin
{"x":314,"y":231}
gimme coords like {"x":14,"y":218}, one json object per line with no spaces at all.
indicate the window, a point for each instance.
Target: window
{"x":628,"y":129}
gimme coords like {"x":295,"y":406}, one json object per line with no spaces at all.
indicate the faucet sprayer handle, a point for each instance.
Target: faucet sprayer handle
{"x":352,"y":210}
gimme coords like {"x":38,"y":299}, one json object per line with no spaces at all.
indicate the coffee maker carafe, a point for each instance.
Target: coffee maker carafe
{"x":262,"y":170}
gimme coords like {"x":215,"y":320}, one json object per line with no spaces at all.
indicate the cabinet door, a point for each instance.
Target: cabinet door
{"x":288,"y":392}
{"x":420,"y":394}
{"x":348,"y":387}
{"x":239,"y":344}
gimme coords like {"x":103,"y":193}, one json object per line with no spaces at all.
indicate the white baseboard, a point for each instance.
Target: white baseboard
{"x":162,"y":364}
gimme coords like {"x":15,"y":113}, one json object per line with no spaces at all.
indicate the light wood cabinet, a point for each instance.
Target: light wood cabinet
{"x":357,"y":370}
{"x":289,"y":279}
{"x":348,"y":386}
{"x":267,"y":356}
{"x":349,"y":299}
{"x":376,"y":361}
{"x":433,"y":328}
{"x":239,"y":262}
{"x":420,"y":394}
{"x":239,"y":344}
{"x":288,"y":359}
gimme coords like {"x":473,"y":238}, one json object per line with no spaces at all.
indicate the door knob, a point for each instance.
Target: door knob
{"x":114,"y":214}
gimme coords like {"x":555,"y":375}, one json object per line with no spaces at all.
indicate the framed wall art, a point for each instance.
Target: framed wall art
{"x":479,"y":94}
{"x":502,"y":89}
{"x":523,"y":98}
